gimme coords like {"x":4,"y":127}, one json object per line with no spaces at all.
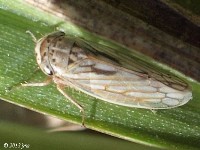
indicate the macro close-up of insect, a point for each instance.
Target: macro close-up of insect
{"x":79,"y":74}
{"x":72,"y":62}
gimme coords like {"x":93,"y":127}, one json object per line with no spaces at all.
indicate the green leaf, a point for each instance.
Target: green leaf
{"x":38,"y":139}
{"x":176,"y":128}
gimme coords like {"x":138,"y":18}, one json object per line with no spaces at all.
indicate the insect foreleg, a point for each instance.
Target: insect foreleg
{"x":46,"y":82}
{"x":60,"y":89}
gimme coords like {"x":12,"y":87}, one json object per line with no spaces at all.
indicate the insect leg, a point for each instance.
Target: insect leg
{"x":60,"y":89}
{"x":46,"y":82}
{"x":32,"y":35}
{"x":153,"y":111}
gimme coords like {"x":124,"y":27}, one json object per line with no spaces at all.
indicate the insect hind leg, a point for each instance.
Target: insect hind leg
{"x":60,"y":89}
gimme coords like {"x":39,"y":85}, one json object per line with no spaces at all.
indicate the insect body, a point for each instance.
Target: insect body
{"x":73,"y":62}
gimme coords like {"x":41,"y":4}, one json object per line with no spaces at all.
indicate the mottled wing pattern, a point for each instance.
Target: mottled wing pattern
{"x":121,"y":86}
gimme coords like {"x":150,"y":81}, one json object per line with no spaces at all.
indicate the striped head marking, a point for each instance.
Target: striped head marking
{"x":42,"y":51}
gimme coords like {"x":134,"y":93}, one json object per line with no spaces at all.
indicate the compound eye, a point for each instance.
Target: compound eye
{"x":48,"y":71}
